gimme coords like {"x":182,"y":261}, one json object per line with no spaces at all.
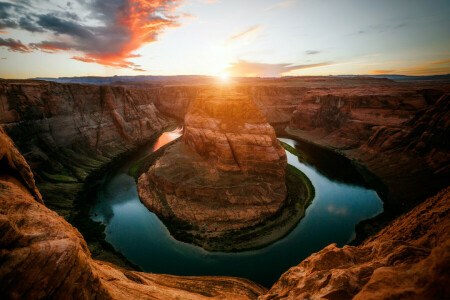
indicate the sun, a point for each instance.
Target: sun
{"x":224,"y":77}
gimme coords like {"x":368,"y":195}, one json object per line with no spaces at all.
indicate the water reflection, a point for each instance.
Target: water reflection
{"x":330,"y":164}
{"x":167,"y":137}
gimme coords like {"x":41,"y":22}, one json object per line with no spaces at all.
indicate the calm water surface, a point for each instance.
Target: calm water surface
{"x":342,"y":200}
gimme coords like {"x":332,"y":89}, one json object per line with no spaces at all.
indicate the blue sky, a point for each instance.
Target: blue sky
{"x":237,"y":38}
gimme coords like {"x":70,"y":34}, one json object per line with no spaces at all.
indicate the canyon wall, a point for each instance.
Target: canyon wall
{"x":398,"y":132}
{"x":67,"y":131}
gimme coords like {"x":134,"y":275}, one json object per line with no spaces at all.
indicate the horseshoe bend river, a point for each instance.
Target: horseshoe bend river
{"x":342,"y":199}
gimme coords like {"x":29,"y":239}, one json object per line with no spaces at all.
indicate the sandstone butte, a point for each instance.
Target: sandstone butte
{"x":228,"y":172}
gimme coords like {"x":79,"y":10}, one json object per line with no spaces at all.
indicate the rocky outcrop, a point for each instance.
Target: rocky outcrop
{"x":45,"y":257}
{"x":227,"y":173}
{"x":399,"y":132}
{"x":409,"y":259}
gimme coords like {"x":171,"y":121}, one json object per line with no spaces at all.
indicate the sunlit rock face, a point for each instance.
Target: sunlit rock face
{"x":227,"y":173}
{"x":228,"y":129}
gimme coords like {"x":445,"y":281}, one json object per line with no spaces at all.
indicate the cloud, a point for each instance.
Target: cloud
{"x":103,"y":32}
{"x":435,"y":67}
{"x":50,"y":47}
{"x":14,"y":45}
{"x":243,"y":68}
{"x":312,"y":52}
{"x":338,"y":211}
{"x":282,"y":4}
{"x":380,"y":28}
{"x":244,"y":33}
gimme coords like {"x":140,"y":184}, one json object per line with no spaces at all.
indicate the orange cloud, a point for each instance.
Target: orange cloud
{"x":243,"y":68}
{"x":121,"y":27}
{"x":436,"y":67}
{"x":143,"y":26}
{"x":14,"y":45}
{"x":244,"y":33}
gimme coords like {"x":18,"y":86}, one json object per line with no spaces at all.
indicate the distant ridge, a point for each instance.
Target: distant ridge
{"x":205,"y":79}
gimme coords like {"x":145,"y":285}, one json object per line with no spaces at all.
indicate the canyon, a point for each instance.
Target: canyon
{"x":397,"y":134}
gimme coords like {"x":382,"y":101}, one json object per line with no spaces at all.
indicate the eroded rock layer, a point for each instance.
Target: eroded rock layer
{"x":227,"y":173}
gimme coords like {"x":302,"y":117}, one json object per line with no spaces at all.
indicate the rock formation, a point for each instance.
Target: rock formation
{"x":227,"y":174}
{"x":66,"y":131}
{"x":387,"y":128}
{"x":45,"y":257}
{"x":409,"y":259}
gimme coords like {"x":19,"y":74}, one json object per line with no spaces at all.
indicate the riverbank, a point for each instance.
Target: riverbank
{"x":368,"y":227}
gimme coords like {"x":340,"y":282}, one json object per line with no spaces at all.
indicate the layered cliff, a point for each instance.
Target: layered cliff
{"x":226,"y":175}
{"x":45,"y":257}
{"x":66,"y":131}
{"x":397,"y":131}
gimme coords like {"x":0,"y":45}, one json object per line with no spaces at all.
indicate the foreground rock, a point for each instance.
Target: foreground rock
{"x":409,"y":259}
{"x":45,"y":257}
{"x":227,"y":174}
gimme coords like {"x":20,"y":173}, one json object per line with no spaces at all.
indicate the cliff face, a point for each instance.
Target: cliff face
{"x":409,"y":259}
{"x":45,"y":257}
{"x":226,"y":128}
{"x":227,"y":173}
{"x":66,"y":131}
{"x":397,"y":132}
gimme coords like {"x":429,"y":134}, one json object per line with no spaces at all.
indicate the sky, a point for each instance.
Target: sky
{"x":267,"y":38}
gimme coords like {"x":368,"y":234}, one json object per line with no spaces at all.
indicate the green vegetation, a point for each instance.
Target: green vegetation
{"x":291,"y":149}
{"x":293,"y":177}
{"x":58,"y":177}
{"x":134,"y":169}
